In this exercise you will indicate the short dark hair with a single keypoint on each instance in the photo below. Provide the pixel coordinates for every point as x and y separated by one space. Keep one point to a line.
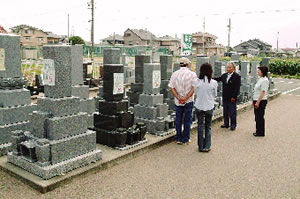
206 70
264 70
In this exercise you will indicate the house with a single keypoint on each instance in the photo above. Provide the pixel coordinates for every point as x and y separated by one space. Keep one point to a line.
169 42
139 37
32 39
114 39
2 30
253 47
205 44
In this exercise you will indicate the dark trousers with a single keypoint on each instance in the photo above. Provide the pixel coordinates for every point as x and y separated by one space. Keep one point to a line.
260 117
229 112
183 113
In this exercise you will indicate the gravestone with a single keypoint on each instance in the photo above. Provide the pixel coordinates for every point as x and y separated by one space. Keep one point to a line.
245 90
217 72
176 66
235 59
113 123
212 60
151 110
200 60
15 101
137 88
80 90
166 73
58 139
265 61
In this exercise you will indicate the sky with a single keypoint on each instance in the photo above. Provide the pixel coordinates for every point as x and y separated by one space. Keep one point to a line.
263 19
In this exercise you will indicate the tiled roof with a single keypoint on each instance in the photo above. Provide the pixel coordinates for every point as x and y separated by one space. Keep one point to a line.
114 37
2 30
205 34
167 38
143 34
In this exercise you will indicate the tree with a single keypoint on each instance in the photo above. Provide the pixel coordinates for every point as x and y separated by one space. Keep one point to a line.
76 40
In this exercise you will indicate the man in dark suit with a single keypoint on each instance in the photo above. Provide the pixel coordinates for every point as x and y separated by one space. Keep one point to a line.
231 82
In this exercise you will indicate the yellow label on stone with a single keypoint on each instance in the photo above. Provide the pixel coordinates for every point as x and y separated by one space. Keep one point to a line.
2 59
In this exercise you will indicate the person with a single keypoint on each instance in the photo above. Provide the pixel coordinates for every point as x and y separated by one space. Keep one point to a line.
260 95
205 93
231 82
181 85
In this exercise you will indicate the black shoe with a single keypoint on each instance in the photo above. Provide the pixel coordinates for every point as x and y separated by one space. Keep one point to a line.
232 128
205 150
257 135
223 126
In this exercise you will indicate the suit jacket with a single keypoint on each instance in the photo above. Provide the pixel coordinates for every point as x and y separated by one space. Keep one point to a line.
231 89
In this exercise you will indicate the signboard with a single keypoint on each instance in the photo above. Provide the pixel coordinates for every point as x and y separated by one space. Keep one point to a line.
2 59
156 78
118 83
186 44
49 72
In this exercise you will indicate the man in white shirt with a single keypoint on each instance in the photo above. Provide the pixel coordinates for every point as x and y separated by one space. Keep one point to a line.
181 85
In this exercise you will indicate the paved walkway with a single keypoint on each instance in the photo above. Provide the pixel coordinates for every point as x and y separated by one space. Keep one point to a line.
239 166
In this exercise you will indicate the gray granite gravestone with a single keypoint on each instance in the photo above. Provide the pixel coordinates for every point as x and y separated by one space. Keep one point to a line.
265 61
58 139
151 110
245 90
137 88
113 123
15 102
78 88
166 73
200 60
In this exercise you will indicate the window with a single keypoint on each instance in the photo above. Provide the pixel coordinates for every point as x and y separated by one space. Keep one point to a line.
127 35
27 38
26 31
194 40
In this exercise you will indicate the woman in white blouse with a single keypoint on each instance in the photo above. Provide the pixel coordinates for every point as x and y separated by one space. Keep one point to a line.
205 89
260 96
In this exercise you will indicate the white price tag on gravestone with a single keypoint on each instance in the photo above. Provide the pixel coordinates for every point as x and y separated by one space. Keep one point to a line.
118 83
223 70
156 79
2 59
48 72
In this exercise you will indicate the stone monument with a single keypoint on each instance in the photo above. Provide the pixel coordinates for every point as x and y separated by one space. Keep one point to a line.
137 88
113 123
58 139
200 60
151 110
246 88
15 101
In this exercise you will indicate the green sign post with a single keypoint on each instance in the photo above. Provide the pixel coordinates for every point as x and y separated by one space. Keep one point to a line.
186 44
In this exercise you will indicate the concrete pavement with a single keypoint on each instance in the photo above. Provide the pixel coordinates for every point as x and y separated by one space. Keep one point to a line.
239 165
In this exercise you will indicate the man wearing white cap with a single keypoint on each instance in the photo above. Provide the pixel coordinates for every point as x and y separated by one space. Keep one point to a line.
181 85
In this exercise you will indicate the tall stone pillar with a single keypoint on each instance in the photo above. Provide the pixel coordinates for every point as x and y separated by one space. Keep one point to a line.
15 101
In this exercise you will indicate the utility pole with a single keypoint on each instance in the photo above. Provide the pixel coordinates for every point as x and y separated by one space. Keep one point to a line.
277 42
203 35
229 30
68 27
92 29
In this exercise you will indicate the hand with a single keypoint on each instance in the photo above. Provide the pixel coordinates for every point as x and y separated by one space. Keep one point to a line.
256 106
233 99
182 100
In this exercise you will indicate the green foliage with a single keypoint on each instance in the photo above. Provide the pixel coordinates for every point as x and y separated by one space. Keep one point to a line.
225 59
76 40
285 67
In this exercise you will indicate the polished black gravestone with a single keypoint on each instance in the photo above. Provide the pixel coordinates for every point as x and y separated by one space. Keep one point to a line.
113 123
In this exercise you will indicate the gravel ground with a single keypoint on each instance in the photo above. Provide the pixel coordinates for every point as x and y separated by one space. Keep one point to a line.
239 166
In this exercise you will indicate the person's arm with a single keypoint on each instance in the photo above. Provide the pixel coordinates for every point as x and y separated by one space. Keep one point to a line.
264 89
236 90
218 79
190 94
175 93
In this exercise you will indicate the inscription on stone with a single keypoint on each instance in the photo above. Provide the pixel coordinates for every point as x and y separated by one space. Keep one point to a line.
2 59
49 72
156 79
118 83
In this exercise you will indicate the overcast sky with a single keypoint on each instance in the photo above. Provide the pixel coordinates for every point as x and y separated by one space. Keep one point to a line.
250 19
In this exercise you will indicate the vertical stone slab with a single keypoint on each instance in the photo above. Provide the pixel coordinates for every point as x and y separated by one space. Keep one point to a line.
111 56
62 56
140 60
166 66
200 60
77 65
265 61
10 48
